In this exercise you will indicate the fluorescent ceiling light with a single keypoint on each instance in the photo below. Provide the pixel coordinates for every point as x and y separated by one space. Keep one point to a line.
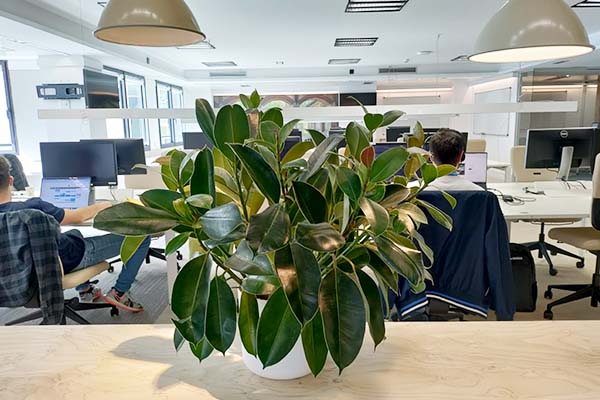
415 90
344 61
557 87
153 23
219 64
532 30
366 6
355 42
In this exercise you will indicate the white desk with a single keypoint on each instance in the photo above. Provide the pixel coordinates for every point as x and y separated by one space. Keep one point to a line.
418 361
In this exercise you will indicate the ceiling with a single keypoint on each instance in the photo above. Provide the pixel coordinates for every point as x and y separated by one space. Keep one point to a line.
284 39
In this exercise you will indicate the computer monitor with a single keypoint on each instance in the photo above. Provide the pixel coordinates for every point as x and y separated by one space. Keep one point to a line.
67 193
196 140
130 152
80 159
474 168
545 147
394 133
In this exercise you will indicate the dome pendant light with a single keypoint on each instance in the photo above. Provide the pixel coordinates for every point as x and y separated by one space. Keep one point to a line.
153 23
532 30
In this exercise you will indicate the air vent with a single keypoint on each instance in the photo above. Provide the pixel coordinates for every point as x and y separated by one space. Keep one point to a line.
206 45
398 70
588 4
220 64
344 61
371 6
463 57
355 42
227 74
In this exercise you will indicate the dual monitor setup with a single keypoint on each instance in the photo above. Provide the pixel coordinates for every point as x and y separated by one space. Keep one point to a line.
71 170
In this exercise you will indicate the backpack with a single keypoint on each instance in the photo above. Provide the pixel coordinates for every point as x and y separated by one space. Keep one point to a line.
523 267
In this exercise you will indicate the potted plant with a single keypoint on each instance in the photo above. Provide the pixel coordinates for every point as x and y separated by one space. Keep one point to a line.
317 238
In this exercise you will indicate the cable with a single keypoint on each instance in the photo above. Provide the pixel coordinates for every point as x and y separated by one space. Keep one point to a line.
512 200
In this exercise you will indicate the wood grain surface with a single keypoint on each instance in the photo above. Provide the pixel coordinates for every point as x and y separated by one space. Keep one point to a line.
487 360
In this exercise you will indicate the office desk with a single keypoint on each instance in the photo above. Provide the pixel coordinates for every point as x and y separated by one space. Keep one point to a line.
450 361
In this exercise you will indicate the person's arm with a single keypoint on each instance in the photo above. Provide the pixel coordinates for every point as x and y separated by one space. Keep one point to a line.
81 215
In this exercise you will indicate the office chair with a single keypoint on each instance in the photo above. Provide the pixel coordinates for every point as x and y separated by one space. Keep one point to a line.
476 146
544 249
586 239
72 306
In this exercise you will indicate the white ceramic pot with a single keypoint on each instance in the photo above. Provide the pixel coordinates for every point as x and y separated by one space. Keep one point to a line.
293 366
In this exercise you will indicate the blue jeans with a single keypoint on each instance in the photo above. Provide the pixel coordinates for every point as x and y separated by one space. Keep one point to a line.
102 248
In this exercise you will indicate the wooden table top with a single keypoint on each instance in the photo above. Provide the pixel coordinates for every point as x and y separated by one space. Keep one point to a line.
473 360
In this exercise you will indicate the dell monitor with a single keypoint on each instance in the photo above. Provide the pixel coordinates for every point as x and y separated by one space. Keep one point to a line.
80 159
196 140
394 133
130 152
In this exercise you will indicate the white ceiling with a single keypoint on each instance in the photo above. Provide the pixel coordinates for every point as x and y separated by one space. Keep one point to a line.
258 33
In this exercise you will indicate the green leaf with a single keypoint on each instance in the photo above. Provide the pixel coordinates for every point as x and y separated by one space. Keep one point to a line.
221 221
414 212
190 297
278 330
319 237
261 172
350 183
311 202
450 199
388 164
128 219
391 116
444 170
269 230
320 156
175 164
358 103
206 118
300 278
411 167
246 262
297 151
178 340
375 314
419 135
343 311
176 243
401 259
357 138
394 195
377 265
220 315
246 101
316 136
231 127
261 285
286 130
373 121
203 180
256 99
314 344
202 350
129 246
269 131
429 173
248 322
202 201
274 115
442 218
377 216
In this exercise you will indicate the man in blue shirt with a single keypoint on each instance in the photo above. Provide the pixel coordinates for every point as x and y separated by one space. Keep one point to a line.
77 252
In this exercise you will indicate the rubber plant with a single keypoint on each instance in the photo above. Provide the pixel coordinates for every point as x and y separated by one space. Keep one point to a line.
318 234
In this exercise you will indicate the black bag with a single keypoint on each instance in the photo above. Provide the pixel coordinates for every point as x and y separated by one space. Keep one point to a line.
523 267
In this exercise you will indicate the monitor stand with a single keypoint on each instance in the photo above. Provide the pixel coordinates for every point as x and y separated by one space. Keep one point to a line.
566 162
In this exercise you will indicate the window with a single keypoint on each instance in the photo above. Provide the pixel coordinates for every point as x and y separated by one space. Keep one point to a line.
132 93
171 131
8 142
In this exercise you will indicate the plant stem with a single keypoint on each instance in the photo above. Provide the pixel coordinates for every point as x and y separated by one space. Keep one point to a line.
217 260
241 191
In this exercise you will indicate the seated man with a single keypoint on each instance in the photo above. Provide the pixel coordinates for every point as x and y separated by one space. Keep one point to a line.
448 147
77 252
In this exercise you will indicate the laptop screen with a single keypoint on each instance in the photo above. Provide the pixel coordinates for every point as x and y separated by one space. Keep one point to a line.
475 167
67 193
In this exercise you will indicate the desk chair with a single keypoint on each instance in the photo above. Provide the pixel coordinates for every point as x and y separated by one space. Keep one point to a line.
476 146
72 306
586 239
544 249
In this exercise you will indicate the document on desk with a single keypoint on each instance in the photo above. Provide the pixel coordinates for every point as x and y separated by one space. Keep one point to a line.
564 189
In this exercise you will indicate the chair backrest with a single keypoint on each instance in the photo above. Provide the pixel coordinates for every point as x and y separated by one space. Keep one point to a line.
152 180
596 195
522 174
476 146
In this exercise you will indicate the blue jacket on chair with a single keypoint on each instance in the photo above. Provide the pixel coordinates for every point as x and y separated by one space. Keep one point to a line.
472 268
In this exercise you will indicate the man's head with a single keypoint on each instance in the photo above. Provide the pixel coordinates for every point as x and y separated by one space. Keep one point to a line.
447 147
6 180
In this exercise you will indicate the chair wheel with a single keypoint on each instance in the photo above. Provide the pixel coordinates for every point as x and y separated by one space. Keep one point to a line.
580 264
114 312
111 269
553 272
553 253
548 294
179 257
549 315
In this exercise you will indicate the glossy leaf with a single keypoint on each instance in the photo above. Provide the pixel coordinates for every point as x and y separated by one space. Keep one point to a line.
261 285
390 117
203 180
221 221
377 265
220 315
314 344
373 121
190 297
286 130
412 166
450 199
237 234
357 138
176 160
261 172
297 151
246 262
344 320
160 199
129 246
255 99
350 183
319 237
376 215
437 214
246 102
394 195
375 314
419 134
178 340
321 155
202 201
202 350
316 136
176 243
367 157
388 164
186 169
400 259
445 169
278 330
206 118
130 219
248 322
269 131
300 278
275 115
413 212
429 173
231 127
311 202
269 230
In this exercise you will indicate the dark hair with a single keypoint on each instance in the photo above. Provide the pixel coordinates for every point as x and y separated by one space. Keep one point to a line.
4 173
446 147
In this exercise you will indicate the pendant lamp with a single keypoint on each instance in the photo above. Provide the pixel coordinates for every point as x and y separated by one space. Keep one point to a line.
153 23
532 30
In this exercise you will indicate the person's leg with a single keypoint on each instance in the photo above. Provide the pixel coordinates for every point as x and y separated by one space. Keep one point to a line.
131 269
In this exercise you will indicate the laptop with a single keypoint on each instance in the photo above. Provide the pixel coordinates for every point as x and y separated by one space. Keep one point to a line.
67 193
474 168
